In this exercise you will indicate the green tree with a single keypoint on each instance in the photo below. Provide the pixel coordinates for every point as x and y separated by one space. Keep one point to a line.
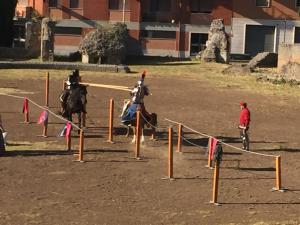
106 44
7 11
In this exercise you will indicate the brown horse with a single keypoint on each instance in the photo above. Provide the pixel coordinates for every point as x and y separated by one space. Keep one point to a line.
150 120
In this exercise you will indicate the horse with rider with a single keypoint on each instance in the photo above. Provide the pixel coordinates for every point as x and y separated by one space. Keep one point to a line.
73 98
128 116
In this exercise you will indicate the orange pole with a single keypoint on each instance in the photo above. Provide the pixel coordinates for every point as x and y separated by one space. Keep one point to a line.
69 143
179 146
83 119
138 133
111 120
45 128
47 89
170 169
216 184
26 116
81 145
278 173
209 152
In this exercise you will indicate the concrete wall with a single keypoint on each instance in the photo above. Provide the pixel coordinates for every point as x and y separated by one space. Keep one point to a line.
284 32
288 54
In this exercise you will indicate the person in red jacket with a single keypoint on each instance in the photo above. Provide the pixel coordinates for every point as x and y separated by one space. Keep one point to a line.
244 125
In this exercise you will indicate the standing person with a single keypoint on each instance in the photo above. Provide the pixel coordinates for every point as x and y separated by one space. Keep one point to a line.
244 125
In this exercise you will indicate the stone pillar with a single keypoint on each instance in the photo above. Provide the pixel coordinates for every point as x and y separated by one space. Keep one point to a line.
217 45
47 40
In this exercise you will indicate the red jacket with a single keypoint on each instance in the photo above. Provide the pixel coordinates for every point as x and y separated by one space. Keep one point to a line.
245 117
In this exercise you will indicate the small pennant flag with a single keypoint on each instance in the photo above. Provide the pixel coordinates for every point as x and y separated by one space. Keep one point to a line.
25 106
43 117
65 132
62 132
213 146
68 129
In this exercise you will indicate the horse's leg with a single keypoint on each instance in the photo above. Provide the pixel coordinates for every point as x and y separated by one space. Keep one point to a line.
128 131
143 137
134 135
79 121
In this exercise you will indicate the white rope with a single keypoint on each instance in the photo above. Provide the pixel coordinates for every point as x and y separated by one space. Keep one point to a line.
205 135
150 123
186 140
42 107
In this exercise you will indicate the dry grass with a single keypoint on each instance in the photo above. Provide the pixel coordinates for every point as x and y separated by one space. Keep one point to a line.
211 73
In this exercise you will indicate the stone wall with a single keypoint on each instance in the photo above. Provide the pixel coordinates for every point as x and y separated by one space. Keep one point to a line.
288 54
289 61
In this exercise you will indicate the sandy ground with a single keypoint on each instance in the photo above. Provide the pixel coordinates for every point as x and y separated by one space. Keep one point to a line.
41 184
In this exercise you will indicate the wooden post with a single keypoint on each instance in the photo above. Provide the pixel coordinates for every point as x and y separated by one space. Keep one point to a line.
81 146
69 143
278 173
26 110
47 89
26 117
209 152
45 128
83 119
216 184
111 121
179 146
138 133
170 168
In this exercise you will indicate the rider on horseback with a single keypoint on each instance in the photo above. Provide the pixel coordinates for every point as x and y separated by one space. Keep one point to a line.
72 83
137 93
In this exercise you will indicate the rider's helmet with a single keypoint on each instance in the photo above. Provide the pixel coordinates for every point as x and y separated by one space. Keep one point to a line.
73 78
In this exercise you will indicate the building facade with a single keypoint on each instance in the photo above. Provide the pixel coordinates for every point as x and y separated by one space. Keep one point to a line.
177 28
262 25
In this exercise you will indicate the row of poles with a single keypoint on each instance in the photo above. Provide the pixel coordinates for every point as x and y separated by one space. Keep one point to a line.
138 142
214 200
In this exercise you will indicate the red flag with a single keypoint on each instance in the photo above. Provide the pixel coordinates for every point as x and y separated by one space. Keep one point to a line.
68 130
212 147
43 117
25 106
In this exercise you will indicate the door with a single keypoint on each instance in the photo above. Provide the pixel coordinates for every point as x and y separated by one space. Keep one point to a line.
259 39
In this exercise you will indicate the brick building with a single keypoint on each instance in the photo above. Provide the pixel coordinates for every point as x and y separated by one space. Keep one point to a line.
176 28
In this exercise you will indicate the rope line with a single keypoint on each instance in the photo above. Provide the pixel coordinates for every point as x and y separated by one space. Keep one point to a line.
186 140
166 128
234 147
42 107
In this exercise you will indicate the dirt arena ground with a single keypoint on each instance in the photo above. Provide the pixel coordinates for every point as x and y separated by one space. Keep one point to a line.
41 184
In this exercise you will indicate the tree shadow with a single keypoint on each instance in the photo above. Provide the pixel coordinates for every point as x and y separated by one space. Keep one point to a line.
268 169
292 150
227 139
30 153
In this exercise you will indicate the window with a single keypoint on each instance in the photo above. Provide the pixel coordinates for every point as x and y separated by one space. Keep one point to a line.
74 4
159 34
297 35
52 3
201 6
262 3
160 5
118 4
297 3
198 42
68 30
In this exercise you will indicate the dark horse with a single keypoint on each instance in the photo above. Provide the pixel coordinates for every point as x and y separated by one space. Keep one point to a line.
129 119
73 100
